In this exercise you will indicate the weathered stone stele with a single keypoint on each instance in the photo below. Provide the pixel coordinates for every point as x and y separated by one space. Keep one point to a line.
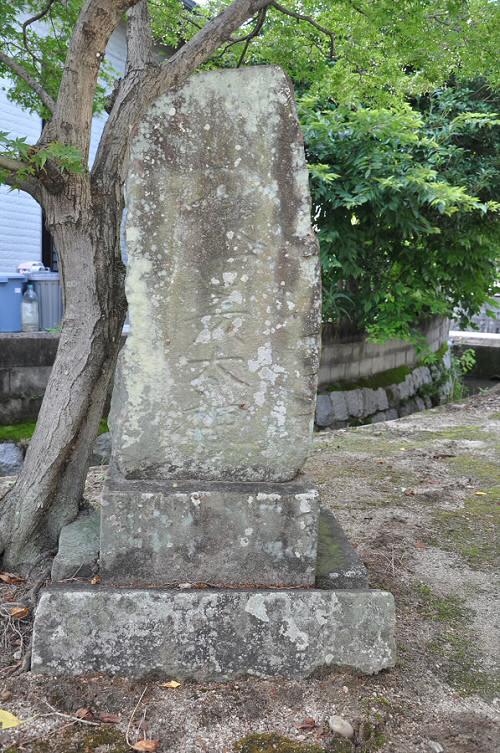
218 377
204 525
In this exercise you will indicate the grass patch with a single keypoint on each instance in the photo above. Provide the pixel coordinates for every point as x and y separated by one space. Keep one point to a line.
17 432
20 432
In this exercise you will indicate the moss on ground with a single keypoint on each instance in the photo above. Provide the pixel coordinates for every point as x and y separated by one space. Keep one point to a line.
449 609
369 739
472 531
270 742
76 740
365 442
460 664
454 645
480 468
468 432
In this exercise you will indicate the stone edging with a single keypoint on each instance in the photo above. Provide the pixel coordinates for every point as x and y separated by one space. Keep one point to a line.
424 387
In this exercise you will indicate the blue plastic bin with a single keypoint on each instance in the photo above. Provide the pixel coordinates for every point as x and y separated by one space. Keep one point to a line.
11 296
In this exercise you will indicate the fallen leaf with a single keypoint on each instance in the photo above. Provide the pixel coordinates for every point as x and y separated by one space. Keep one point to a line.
146 746
481 494
95 580
308 723
108 718
8 720
11 578
170 684
83 713
19 613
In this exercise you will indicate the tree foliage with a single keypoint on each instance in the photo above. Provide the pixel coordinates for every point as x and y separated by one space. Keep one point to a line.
365 52
357 52
404 202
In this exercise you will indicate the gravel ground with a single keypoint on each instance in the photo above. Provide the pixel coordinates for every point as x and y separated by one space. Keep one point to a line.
418 497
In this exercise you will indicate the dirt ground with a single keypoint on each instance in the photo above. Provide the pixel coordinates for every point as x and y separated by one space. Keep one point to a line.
419 498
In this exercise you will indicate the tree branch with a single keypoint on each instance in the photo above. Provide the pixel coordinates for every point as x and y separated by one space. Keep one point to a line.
139 37
261 18
202 46
21 71
309 20
29 185
73 115
12 165
32 20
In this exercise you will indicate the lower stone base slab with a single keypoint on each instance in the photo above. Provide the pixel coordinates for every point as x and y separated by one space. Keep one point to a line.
207 634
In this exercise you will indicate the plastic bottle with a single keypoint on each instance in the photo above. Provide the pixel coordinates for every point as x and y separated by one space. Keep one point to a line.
29 310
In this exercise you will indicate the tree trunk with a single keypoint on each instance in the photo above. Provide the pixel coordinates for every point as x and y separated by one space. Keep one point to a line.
50 486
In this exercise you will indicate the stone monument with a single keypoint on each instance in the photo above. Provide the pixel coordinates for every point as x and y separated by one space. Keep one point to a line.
209 533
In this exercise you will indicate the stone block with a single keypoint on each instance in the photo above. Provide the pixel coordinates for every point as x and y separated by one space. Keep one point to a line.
164 532
408 407
420 403
29 381
339 405
370 402
325 414
28 348
14 410
211 634
355 406
11 459
382 401
4 383
78 548
101 452
218 377
385 415
338 564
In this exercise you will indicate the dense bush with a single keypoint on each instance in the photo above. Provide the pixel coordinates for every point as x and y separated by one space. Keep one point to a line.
404 205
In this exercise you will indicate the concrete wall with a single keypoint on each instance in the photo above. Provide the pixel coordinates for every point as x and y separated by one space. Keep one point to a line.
350 361
26 360
25 364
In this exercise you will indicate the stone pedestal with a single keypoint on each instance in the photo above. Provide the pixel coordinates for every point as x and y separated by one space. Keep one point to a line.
211 634
220 533
212 416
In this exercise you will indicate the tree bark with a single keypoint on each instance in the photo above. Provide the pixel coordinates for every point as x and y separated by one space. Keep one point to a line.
84 219
48 491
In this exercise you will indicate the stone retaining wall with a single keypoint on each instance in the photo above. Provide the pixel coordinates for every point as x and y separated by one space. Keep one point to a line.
26 360
350 361
348 369
422 388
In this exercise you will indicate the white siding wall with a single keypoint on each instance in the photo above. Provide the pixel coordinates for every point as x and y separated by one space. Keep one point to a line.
20 215
116 53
